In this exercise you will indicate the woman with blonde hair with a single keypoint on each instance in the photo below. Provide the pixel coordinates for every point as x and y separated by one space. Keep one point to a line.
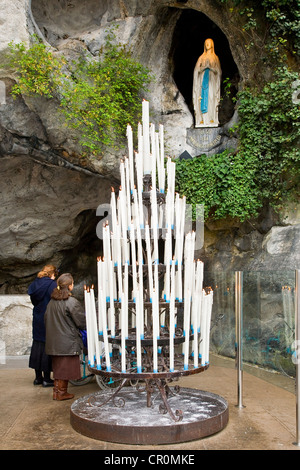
64 318
206 87
40 291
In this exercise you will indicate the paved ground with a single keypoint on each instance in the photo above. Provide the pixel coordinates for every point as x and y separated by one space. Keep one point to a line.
31 420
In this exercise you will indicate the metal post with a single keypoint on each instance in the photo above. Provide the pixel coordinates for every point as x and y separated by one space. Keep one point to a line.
297 350
238 333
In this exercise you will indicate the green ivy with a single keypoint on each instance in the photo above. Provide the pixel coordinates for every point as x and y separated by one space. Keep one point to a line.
281 19
224 184
266 165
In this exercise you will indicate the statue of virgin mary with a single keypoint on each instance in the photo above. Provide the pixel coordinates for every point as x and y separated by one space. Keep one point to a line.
206 87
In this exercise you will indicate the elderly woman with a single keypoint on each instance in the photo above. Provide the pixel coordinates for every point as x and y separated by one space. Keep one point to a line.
64 318
40 291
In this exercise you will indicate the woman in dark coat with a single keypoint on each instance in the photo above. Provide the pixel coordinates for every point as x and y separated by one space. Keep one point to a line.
40 291
64 318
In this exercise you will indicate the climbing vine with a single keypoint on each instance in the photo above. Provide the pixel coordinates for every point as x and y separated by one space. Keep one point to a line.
265 168
266 165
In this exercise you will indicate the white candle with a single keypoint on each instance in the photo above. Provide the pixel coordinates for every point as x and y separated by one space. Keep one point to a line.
146 138
155 322
111 297
130 156
140 312
119 261
102 306
194 320
100 282
199 287
94 327
90 337
139 190
110 278
172 317
171 192
126 298
186 329
149 261
168 261
209 310
123 333
203 328
133 262
122 172
162 158
140 138
153 157
128 198
138 336
154 224
123 225
113 209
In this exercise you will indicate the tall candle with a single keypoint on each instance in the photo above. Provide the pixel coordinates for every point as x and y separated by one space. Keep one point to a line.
194 329
138 336
209 310
122 172
154 224
172 318
123 333
199 287
139 191
162 159
203 328
186 331
128 199
109 270
113 208
153 157
125 299
94 327
133 262
155 335
146 138
100 281
119 261
102 306
111 297
123 226
130 156
149 260
140 281
90 338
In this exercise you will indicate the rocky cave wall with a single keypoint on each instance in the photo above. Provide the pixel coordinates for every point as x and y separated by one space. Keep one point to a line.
49 193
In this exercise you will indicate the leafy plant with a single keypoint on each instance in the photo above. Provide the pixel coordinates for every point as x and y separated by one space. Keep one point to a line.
266 165
39 72
104 96
98 96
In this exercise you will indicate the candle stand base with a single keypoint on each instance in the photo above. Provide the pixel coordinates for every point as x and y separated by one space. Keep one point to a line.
130 422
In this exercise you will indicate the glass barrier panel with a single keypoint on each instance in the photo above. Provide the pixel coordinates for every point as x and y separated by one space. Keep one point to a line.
268 306
269 321
222 337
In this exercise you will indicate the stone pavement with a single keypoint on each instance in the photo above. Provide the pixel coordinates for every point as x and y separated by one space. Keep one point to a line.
31 420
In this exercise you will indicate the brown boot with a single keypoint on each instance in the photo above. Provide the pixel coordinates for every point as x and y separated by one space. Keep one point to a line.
62 393
55 388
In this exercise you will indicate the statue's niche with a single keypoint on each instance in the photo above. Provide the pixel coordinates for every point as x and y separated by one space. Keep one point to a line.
192 30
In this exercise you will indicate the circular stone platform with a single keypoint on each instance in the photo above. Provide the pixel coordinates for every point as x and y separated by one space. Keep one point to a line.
132 422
